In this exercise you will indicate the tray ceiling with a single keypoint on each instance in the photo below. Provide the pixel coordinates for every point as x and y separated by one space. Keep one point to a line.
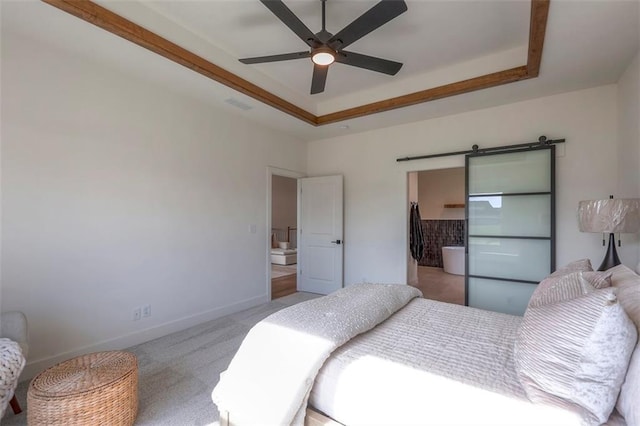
447 47
191 17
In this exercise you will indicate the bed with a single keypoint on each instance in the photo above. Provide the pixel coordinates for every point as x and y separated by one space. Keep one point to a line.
383 355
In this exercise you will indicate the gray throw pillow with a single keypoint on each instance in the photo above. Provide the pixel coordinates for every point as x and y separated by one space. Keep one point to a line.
627 284
576 350
583 265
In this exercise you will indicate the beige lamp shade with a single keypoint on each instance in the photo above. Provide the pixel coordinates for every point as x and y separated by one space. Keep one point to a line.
615 215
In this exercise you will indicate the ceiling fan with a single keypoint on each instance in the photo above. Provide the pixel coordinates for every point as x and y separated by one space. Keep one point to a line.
327 48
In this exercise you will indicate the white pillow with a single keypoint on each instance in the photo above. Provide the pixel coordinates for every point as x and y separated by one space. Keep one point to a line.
563 287
628 403
627 284
576 350
583 265
598 279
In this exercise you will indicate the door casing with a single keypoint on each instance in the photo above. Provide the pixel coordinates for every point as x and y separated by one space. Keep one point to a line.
278 172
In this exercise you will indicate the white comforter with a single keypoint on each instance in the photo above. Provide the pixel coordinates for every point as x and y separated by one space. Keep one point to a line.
271 375
432 363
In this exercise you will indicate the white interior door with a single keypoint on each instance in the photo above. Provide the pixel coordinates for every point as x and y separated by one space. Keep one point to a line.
320 234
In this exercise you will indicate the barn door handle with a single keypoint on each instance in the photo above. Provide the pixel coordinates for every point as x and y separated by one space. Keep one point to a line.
337 242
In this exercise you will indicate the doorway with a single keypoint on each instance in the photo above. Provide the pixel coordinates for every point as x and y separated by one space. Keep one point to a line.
440 197
507 217
283 254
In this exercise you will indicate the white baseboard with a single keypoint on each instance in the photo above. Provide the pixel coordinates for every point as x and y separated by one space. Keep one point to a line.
34 367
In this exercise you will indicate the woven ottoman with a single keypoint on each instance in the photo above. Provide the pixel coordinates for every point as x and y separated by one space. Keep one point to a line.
94 389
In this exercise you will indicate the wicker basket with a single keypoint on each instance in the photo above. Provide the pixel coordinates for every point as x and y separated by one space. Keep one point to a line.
94 389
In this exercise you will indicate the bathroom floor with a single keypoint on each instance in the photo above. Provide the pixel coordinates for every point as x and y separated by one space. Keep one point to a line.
438 285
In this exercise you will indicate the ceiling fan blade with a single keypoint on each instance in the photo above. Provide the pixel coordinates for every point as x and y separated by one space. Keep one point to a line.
275 58
368 62
278 8
372 19
319 78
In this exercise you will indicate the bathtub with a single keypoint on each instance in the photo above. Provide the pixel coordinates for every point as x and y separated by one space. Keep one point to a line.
453 260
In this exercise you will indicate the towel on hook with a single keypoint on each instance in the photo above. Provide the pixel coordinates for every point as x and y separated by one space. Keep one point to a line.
416 239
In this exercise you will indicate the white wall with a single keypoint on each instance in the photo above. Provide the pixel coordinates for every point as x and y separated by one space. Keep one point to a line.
375 184
117 193
440 187
629 145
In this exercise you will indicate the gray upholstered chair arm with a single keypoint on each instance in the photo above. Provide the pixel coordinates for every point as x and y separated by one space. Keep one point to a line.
13 325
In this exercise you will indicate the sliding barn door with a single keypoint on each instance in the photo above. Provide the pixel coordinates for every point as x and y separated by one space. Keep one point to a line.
510 227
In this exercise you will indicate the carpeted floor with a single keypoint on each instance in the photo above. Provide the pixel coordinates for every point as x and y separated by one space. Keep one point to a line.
178 372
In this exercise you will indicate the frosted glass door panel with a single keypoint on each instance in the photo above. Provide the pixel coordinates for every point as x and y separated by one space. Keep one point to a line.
509 258
517 215
507 297
510 226
525 171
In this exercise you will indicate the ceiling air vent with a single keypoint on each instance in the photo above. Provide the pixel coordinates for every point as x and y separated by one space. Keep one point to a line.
238 104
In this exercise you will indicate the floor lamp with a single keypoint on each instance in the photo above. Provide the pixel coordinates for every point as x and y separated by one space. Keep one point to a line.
612 216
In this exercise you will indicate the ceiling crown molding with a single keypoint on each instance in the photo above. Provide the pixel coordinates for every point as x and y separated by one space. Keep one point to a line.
116 24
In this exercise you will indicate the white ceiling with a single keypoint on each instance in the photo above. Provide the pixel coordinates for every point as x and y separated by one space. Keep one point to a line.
588 43
422 38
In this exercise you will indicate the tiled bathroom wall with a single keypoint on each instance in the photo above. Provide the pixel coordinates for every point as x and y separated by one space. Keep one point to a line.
438 234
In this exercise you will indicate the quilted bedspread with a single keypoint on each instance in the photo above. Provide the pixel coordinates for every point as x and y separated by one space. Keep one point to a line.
432 363
271 375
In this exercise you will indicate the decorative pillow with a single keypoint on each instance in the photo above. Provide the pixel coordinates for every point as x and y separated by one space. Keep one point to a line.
583 265
569 286
576 350
629 400
557 289
598 279
627 284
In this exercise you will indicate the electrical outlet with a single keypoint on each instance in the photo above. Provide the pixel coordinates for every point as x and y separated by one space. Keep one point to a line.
146 311
137 314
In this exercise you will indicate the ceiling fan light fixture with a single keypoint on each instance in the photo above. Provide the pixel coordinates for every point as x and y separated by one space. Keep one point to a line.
323 56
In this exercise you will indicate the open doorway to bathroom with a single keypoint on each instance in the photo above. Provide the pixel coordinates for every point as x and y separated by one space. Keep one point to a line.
439 271
283 247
